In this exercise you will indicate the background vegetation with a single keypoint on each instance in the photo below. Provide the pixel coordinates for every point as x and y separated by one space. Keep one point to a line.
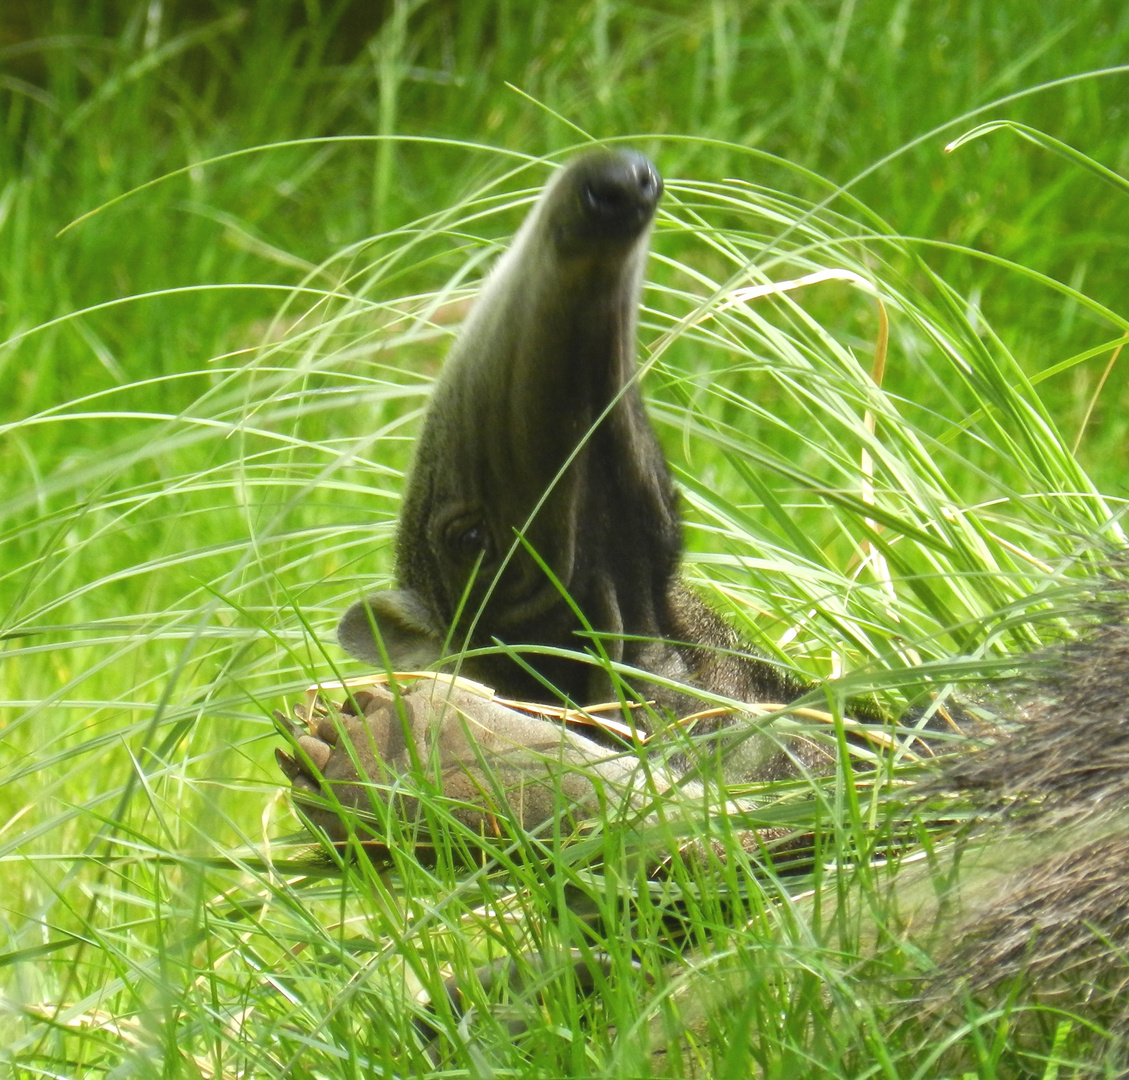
209 391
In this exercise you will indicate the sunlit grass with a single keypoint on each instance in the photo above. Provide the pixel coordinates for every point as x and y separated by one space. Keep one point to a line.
201 475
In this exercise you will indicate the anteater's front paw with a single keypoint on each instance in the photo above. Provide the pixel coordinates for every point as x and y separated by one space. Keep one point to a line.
383 758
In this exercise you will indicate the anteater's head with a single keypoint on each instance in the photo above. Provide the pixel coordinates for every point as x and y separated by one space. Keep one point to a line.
538 489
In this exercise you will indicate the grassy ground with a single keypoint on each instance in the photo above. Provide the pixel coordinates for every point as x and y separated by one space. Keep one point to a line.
210 389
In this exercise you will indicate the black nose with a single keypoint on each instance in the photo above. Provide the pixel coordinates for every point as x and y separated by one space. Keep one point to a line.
619 193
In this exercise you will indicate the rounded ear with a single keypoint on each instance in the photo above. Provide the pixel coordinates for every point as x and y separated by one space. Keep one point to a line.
396 619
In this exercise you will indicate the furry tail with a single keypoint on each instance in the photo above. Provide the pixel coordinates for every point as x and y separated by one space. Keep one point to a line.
1043 906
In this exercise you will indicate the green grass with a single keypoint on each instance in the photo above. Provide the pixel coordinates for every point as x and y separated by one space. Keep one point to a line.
211 387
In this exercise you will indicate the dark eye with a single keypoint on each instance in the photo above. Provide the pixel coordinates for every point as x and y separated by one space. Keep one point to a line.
467 540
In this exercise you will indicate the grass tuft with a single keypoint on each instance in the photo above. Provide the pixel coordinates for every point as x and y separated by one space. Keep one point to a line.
234 247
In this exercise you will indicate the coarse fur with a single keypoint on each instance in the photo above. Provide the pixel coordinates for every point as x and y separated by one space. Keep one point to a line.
1056 792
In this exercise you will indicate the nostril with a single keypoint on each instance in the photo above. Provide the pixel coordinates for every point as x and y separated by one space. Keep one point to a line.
607 197
613 198
627 194
647 182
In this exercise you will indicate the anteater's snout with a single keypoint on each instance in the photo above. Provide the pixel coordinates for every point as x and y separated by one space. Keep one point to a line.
619 194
